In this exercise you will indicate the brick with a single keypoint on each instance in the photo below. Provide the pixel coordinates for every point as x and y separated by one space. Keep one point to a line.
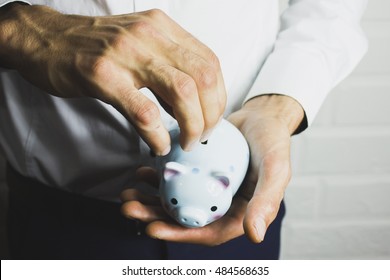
325 218
357 197
361 101
283 4
342 150
358 100
324 116
298 151
377 10
330 240
377 58
302 198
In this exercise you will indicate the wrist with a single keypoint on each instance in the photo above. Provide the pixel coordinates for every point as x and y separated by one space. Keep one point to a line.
277 108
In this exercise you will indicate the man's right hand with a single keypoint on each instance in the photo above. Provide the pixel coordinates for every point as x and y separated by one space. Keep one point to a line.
111 58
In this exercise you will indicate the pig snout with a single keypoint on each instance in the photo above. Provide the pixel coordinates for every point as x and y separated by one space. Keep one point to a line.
191 217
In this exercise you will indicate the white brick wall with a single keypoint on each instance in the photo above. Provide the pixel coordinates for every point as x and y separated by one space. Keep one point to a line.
337 202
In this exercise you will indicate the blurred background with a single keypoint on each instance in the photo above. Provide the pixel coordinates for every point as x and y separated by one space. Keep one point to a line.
338 200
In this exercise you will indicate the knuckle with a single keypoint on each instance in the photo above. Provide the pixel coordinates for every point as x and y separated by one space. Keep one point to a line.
142 27
146 114
207 77
100 67
213 60
156 14
120 40
126 209
185 87
270 208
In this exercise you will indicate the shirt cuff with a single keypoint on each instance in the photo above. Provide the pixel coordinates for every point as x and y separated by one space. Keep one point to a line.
295 73
3 3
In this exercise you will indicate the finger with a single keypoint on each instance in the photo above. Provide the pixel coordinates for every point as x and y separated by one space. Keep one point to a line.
263 207
179 91
136 195
207 74
209 83
145 117
148 175
198 61
146 213
113 85
218 232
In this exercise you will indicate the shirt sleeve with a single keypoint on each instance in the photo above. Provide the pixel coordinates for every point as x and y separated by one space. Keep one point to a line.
5 2
319 44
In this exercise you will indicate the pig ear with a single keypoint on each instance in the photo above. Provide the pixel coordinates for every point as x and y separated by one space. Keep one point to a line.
222 178
173 169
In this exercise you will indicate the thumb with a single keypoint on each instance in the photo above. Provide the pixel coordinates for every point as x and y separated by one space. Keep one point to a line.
274 175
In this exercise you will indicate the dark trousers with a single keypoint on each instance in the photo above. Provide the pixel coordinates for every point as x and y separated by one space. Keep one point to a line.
47 223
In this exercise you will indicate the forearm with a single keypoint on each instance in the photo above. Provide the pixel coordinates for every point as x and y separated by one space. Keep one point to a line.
10 34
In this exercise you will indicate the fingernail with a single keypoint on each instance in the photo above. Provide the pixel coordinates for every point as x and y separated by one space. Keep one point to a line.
205 137
166 151
260 228
207 134
192 145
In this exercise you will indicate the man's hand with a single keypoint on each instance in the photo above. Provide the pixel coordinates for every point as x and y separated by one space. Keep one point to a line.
267 123
111 58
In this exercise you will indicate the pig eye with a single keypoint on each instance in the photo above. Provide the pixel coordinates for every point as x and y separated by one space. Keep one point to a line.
214 208
174 201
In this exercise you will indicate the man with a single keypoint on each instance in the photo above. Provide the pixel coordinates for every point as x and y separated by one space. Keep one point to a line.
200 60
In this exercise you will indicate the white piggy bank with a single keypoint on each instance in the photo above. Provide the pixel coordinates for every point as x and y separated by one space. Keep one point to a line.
197 187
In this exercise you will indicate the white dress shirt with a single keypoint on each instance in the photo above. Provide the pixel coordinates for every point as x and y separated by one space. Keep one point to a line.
86 146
